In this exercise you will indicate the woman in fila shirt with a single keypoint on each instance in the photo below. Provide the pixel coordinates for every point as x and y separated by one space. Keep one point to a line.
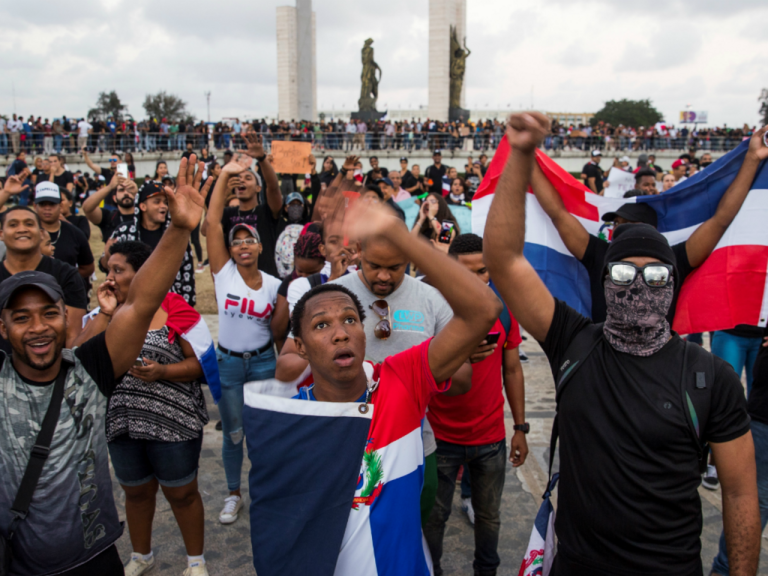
246 299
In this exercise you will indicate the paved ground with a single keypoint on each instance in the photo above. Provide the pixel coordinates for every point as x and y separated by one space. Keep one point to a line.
228 549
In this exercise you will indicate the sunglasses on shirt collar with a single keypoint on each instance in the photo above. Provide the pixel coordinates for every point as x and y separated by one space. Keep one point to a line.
383 328
655 274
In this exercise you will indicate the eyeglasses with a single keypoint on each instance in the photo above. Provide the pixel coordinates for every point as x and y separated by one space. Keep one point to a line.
383 329
655 275
246 241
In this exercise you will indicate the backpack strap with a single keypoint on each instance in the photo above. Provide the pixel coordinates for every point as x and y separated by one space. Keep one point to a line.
577 352
505 317
315 279
697 379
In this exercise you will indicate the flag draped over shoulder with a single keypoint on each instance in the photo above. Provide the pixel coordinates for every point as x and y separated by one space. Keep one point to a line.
728 289
305 465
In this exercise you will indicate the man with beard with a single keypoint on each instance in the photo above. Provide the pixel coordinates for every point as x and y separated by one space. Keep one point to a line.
267 219
109 220
629 457
150 220
72 508
22 234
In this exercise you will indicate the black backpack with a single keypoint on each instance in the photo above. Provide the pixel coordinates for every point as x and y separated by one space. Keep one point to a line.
697 377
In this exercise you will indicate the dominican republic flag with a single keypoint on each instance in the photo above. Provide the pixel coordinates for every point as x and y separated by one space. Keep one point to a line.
541 547
305 462
728 289
446 186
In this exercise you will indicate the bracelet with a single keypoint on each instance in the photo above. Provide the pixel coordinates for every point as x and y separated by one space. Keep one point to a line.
105 314
261 159
343 171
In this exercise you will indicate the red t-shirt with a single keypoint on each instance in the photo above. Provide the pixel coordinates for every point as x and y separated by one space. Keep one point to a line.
477 417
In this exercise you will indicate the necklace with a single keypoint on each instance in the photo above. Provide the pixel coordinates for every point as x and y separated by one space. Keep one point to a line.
58 235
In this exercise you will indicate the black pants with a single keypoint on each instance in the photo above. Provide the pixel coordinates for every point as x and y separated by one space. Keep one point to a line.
196 243
107 563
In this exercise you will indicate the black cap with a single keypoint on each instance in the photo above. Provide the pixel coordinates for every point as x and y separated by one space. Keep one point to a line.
634 212
631 240
41 280
437 153
148 190
403 159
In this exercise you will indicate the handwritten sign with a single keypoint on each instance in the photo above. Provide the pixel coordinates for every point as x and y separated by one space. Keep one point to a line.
621 182
291 157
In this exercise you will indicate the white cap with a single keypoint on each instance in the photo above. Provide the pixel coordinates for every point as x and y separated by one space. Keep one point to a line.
624 159
47 192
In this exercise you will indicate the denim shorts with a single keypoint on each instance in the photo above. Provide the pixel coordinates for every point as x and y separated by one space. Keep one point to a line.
136 462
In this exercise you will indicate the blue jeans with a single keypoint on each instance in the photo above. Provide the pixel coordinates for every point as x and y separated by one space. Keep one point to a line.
233 373
738 351
760 438
487 464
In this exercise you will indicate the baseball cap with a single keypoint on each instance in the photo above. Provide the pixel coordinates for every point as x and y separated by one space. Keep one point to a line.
294 196
437 153
388 182
403 159
624 159
596 153
678 163
251 230
47 192
148 190
634 212
41 280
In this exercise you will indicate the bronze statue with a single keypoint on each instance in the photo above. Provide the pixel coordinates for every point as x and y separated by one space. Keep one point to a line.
369 91
458 67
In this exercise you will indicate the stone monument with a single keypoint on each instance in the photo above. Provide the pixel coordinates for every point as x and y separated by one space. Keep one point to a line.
459 57
369 86
296 62
444 17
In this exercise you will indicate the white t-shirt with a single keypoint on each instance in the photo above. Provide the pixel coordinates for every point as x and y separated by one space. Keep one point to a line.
244 313
83 126
15 125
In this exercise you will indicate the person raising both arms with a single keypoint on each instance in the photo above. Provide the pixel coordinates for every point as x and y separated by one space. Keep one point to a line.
246 298
639 513
72 508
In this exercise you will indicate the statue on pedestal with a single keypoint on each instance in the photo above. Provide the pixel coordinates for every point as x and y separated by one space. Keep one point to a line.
458 66
369 90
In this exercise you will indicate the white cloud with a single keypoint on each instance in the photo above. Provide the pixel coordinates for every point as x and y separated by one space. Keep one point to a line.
573 54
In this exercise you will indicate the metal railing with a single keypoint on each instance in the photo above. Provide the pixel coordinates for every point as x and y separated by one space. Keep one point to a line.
39 143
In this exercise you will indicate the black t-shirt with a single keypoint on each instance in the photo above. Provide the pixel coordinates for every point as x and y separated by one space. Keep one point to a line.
436 175
63 179
594 262
110 220
40 176
151 237
757 405
71 246
283 288
369 177
268 227
592 170
628 502
81 223
408 180
94 356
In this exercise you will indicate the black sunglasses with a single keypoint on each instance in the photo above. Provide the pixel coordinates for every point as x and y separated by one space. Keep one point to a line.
655 274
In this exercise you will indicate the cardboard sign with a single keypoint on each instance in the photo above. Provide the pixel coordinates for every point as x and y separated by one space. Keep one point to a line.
621 182
291 157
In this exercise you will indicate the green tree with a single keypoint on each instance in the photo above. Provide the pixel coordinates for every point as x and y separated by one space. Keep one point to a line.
628 112
108 105
763 99
164 105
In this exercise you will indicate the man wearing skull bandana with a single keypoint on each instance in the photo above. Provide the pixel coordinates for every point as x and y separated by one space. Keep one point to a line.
628 502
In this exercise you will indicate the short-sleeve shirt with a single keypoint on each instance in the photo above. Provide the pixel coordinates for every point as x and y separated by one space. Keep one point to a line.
477 417
268 227
592 170
244 313
594 261
436 174
111 220
63 179
628 462
81 223
383 534
71 246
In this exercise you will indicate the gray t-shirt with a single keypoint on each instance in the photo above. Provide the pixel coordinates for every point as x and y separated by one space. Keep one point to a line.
417 313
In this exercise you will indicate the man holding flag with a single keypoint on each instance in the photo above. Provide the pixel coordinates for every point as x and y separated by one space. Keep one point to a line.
631 443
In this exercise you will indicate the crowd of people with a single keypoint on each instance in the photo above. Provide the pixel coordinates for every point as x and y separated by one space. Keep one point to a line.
320 285
104 134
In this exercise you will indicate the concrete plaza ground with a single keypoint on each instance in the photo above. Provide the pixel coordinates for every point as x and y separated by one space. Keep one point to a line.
228 548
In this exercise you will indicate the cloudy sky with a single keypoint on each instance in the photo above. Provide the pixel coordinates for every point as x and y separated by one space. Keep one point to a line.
560 55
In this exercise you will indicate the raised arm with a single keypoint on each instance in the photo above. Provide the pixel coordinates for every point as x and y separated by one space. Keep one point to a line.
475 307
128 329
91 204
13 185
256 151
701 243
572 233
91 165
526 295
218 255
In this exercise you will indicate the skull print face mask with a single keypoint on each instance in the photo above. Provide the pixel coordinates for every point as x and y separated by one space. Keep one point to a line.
636 321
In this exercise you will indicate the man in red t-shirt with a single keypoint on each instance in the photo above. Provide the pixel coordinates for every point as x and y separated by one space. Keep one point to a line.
470 430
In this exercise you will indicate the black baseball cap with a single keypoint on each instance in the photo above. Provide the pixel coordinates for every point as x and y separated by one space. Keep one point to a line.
403 159
148 190
634 212
437 153
41 280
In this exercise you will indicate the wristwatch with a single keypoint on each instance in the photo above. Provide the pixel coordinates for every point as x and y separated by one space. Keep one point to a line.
524 428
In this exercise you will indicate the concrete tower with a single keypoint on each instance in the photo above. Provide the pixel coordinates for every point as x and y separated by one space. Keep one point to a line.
442 15
296 70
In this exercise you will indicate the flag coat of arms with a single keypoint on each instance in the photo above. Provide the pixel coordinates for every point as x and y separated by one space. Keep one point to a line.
730 288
